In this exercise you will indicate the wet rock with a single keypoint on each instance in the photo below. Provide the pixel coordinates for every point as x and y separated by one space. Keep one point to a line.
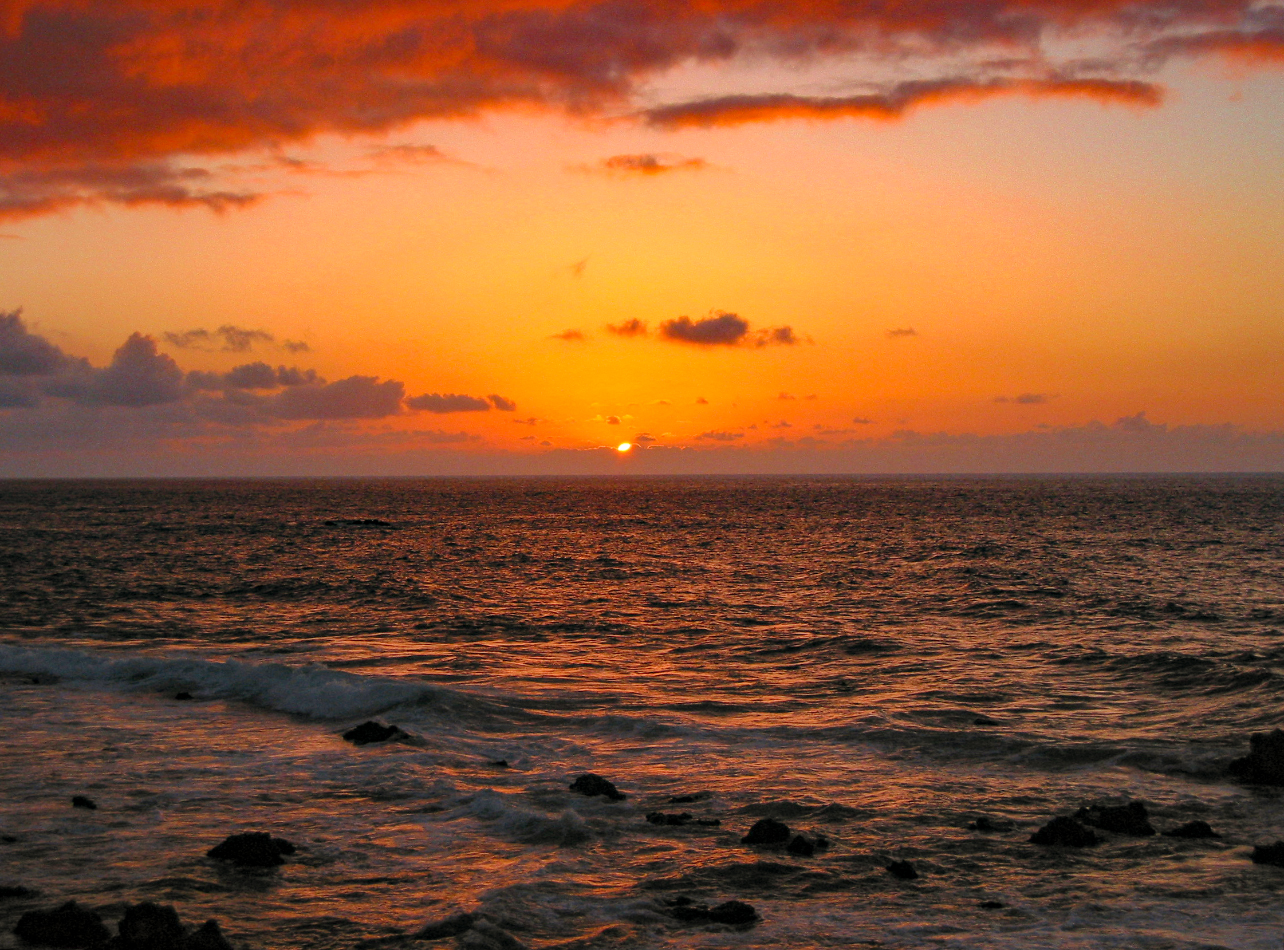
499 764
767 831
207 937
369 732
902 870
983 823
992 905
1264 764
594 785
451 926
1129 819
150 926
731 913
486 936
689 799
80 801
660 818
253 849
801 847
1269 854
1192 829
182 697
67 926
984 721
9 892
1064 832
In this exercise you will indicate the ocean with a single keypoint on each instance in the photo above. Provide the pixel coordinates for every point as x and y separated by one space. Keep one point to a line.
876 663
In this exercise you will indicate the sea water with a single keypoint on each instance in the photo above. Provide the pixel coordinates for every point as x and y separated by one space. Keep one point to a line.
877 662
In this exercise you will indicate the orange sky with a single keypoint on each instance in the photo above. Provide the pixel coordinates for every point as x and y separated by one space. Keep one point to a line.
944 237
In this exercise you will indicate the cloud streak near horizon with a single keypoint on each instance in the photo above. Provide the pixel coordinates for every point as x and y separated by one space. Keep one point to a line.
124 101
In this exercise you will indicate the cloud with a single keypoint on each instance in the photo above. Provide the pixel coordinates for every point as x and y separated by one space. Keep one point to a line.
28 192
1027 399
612 420
448 402
724 329
502 404
900 333
357 397
786 397
416 154
716 435
138 375
651 164
230 338
577 269
256 375
862 421
23 353
570 336
701 401
629 328
892 103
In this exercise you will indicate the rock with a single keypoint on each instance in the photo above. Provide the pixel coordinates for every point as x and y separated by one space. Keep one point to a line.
801 847
67 926
254 849
1264 764
992 905
1192 829
1064 832
767 831
593 785
207 937
150 926
183 696
1129 819
1269 854
983 823
8 891
732 913
483 935
688 799
984 721
369 732
500 763
902 870
451 926
80 801
660 818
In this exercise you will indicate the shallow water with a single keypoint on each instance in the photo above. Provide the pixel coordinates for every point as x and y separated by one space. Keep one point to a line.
814 650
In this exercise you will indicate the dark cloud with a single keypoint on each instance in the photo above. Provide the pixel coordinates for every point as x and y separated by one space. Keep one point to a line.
18 393
138 375
1027 399
701 401
228 337
448 402
613 420
634 327
717 435
862 421
295 346
27 192
570 336
357 397
417 154
23 353
717 329
651 164
502 404
786 397
257 375
643 439
898 333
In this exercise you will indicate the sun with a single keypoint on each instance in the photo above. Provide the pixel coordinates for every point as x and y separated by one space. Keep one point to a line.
624 447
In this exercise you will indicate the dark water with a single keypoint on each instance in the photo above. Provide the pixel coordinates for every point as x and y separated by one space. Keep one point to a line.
815 650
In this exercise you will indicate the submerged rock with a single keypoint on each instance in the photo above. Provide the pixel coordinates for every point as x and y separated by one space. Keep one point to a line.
992 905
150 926
1064 832
801 847
1129 819
594 785
1264 764
183 696
206 937
984 721
1192 829
1269 854
983 823
902 870
483 935
732 913
253 849
9 891
80 801
451 926
660 818
67 926
369 732
767 831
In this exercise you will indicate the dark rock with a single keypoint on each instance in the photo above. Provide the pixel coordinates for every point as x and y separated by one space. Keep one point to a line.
984 721
10 891
767 831
486 936
903 870
1192 829
254 849
992 905
709 822
9 839
150 926
1269 854
500 763
733 913
1064 832
1264 764
207 937
688 799
983 823
1129 819
65 926
80 801
183 696
451 926
801 847
369 732
592 785
660 818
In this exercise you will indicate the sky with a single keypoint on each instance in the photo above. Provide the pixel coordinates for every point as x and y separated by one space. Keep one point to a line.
416 237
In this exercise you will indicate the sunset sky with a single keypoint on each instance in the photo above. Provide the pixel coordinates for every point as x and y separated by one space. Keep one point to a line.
505 236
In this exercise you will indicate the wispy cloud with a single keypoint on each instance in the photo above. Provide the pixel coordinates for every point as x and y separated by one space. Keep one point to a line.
650 164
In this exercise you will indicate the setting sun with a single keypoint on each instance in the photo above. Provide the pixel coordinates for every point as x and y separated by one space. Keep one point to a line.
624 447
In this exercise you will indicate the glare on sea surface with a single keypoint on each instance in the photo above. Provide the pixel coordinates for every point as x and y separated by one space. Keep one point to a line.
624 447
